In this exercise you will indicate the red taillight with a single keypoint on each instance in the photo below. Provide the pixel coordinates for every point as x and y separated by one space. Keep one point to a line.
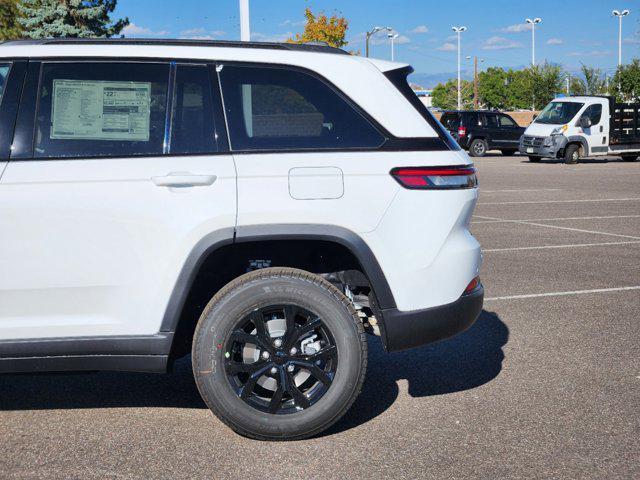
462 131
433 178
472 285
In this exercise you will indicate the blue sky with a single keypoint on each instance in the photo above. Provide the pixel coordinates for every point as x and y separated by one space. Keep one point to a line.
496 31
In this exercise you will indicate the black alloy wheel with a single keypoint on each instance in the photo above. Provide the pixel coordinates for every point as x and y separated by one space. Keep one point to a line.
281 359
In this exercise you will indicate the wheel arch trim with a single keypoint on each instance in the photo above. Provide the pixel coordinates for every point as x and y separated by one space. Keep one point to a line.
256 233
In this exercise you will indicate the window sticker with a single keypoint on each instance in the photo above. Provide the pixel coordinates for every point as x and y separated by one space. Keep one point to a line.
100 110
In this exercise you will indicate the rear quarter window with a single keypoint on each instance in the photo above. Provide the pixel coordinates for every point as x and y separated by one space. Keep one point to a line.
271 108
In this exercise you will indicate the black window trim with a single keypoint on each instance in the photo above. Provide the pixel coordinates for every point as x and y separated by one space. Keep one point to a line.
24 134
25 124
12 93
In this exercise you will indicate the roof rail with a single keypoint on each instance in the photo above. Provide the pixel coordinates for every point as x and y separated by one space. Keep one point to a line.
303 47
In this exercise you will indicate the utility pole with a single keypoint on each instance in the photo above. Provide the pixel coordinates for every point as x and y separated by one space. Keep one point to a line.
458 31
245 30
619 14
476 100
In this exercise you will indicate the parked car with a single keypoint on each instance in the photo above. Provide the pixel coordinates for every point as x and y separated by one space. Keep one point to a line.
250 204
571 128
481 131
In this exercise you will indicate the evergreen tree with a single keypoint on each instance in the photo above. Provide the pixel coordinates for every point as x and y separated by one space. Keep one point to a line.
9 14
69 18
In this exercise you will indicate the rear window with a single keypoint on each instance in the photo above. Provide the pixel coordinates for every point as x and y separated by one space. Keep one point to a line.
101 109
451 121
271 108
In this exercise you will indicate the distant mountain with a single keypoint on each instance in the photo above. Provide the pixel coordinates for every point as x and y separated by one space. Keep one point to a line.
430 80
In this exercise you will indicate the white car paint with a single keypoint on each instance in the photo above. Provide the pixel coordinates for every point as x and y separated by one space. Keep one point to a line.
96 246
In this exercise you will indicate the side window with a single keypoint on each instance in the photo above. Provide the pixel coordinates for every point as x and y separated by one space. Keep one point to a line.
594 112
489 121
192 127
280 109
4 74
94 109
506 121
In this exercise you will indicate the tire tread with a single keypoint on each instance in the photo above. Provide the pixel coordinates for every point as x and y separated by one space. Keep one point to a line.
294 273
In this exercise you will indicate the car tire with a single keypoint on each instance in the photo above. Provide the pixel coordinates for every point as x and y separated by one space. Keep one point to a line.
260 399
534 159
629 158
572 154
478 148
508 153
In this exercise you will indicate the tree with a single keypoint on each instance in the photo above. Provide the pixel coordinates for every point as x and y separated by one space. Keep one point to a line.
576 86
9 14
594 80
69 18
546 83
626 82
493 88
446 96
320 28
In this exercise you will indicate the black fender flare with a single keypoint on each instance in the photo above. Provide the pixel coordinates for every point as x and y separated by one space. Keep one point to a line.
221 238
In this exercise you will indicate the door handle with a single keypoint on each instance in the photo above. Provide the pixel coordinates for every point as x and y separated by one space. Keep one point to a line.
184 180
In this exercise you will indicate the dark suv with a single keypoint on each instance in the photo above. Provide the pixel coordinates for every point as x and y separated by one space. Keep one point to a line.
480 131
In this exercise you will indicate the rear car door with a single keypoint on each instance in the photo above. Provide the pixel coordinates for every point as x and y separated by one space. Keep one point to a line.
118 168
488 128
510 131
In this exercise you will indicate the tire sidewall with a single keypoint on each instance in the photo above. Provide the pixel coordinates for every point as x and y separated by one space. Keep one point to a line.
472 147
569 155
224 314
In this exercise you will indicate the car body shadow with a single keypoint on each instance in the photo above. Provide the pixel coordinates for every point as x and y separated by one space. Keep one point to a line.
466 361
463 362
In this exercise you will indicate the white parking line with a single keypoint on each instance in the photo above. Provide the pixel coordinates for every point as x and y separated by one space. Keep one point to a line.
555 218
558 227
632 199
562 294
518 190
546 247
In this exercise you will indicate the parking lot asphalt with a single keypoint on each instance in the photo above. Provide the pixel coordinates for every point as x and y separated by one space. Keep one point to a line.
546 384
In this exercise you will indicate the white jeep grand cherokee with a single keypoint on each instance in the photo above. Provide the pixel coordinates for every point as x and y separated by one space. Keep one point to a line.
260 206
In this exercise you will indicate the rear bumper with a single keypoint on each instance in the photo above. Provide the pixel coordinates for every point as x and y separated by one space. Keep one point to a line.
404 330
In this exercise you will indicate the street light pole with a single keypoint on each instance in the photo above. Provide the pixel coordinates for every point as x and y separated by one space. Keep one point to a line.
392 37
245 31
620 14
458 31
533 38
371 33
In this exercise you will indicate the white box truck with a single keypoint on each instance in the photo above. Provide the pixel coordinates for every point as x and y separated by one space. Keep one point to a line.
571 128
